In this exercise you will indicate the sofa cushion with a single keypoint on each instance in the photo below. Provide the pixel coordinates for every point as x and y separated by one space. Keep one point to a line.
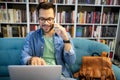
5 78
116 70
9 57
4 71
10 50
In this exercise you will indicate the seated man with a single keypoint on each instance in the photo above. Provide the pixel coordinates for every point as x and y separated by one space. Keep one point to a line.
49 45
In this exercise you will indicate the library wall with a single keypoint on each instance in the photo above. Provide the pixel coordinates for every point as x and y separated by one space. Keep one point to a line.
91 19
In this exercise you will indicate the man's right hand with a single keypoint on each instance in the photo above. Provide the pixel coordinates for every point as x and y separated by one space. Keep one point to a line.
37 61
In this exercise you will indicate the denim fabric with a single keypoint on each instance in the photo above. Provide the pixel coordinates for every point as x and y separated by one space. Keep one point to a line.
34 46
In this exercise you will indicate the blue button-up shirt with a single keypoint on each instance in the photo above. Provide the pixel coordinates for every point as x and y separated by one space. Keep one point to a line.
34 46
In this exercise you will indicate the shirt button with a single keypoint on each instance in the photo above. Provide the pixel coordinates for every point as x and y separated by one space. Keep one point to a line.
42 47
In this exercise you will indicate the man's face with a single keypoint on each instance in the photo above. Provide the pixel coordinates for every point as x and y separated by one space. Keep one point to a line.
46 19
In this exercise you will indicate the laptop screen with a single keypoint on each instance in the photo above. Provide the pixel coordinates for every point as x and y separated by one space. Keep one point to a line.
28 72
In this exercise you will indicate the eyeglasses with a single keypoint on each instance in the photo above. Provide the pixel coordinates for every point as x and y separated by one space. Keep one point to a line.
49 20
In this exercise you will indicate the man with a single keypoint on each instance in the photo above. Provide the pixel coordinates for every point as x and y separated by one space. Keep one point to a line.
50 44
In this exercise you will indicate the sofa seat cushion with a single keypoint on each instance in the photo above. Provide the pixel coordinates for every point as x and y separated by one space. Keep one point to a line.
8 57
4 71
5 78
10 50
116 70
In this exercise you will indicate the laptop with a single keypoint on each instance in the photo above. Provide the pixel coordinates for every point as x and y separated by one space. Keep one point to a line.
29 72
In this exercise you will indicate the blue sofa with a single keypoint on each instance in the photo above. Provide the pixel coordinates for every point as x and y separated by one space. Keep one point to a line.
10 50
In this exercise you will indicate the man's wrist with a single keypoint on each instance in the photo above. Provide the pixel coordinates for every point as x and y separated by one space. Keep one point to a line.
66 41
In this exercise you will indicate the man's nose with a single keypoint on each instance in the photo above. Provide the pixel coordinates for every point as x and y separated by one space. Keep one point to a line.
46 22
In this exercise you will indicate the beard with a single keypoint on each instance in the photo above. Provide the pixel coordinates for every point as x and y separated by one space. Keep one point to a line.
51 27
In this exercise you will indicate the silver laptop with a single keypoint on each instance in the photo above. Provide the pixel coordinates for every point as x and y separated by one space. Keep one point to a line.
28 72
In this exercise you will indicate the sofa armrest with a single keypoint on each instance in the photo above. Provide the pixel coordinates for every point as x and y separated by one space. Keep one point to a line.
84 47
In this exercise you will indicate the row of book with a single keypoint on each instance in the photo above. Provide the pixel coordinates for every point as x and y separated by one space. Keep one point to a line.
82 17
66 16
111 2
104 31
33 15
94 17
13 15
109 42
110 17
63 1
69 29
108 31
22 0
20 31
88 17
96 31
13 0
17 15
89 1
96 2
62 16
84 31
42 1
14 30
37 0
99 2
55 1
34 27
81 31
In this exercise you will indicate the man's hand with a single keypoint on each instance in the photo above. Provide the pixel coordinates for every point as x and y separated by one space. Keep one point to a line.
61 31
37 61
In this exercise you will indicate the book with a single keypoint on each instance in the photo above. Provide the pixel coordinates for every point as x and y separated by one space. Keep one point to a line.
79 31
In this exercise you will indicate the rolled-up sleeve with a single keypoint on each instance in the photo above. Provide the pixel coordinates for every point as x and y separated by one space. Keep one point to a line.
27 51
70 56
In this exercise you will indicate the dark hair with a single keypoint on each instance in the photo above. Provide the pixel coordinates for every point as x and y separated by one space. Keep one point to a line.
45 5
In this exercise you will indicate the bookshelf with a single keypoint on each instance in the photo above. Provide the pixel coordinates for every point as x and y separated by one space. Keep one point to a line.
97 20
13 20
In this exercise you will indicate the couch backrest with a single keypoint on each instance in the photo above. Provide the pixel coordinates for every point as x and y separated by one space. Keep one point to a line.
10 50
84 47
